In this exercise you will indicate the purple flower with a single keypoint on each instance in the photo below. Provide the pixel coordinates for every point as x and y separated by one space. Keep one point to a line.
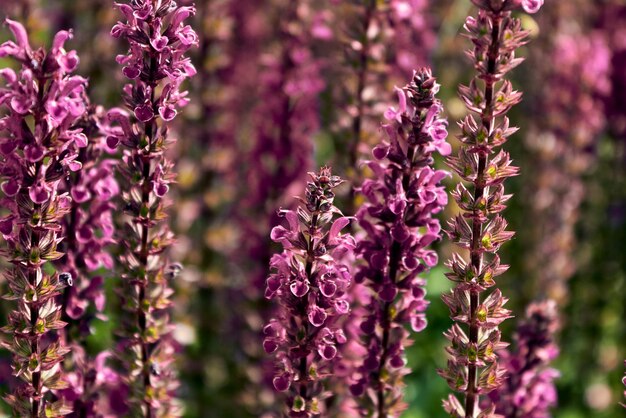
399 224
309 286
157 64
473 366
94 387
89 225
529 389
40 102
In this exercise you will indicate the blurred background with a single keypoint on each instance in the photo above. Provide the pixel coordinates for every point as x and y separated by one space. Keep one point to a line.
284 86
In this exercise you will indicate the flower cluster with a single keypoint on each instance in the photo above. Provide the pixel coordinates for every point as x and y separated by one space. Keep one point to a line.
157 65
310 287
277 154
398 219
89 225
94 388
529 390
89 231
42 105
473 367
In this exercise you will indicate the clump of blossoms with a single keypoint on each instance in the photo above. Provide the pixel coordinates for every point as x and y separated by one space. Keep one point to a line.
89 230
310 287
398 218
529 390
41 103
157 65
473 367
88 226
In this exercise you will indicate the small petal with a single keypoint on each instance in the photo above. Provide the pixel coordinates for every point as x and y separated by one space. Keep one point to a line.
327 352
281 383
10 187
317 316
39 194
144 113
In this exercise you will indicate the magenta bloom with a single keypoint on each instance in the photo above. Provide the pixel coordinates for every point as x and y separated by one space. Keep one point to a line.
40 102
532 6
398 219
309 286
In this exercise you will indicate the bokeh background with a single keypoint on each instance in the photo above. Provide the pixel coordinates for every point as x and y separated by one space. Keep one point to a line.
284 86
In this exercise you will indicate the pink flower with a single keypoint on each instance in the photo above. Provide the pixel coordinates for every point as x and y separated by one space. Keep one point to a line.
532 6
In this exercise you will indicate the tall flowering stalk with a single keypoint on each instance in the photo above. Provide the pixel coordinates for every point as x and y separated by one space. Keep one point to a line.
362 46
157 65
473 367
283 121
529 389
310 287
42 103
398 218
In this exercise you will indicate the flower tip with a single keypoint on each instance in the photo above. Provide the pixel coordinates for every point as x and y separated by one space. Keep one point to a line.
19 32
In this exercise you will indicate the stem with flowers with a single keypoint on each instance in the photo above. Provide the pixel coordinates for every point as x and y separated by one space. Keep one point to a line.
473 367
39 147
309 285
398 218
157 65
